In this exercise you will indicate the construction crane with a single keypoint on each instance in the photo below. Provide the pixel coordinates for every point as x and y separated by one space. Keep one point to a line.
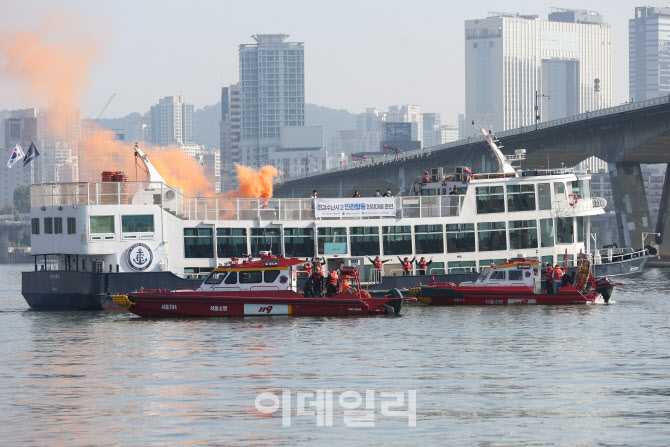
104 108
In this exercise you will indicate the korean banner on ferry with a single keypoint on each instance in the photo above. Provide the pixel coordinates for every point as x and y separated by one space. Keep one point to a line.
355 207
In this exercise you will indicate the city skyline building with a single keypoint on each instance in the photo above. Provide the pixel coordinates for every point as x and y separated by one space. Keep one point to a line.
230 129
407 114
514 62
172 122
272 87
649 53
20 128
431 125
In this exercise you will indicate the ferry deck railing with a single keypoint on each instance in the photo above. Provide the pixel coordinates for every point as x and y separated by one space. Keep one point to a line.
220 208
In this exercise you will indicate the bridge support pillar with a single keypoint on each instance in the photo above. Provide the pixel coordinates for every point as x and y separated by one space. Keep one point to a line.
4 246
630 202
663 224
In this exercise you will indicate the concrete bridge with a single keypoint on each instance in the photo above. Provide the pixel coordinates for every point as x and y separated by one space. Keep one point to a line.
6 228
624 136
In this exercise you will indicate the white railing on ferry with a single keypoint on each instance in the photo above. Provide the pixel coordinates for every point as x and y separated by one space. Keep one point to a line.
564 208
219 208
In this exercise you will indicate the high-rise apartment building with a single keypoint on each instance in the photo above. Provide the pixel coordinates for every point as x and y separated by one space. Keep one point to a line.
230 128
513 62
446 134
431 125
407 114
272 82
649 53
369 126
20 128
172 122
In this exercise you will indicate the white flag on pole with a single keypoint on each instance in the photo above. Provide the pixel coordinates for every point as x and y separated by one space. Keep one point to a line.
16 156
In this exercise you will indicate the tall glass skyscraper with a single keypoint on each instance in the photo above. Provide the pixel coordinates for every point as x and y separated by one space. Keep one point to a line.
272 81
649 53
514 61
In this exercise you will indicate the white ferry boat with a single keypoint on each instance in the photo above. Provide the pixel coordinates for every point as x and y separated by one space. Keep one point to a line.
95 240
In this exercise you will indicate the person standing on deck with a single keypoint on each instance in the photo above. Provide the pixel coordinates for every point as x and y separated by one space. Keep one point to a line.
558 277
406 265
423 265
378 267
548 277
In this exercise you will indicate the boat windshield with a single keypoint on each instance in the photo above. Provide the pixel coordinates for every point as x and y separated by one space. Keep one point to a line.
215 277
483 274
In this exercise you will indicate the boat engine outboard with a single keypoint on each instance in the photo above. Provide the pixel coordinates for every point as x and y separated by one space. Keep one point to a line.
604 287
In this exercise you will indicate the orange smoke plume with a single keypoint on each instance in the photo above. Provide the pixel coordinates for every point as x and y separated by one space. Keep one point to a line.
181 170
51 70
254 183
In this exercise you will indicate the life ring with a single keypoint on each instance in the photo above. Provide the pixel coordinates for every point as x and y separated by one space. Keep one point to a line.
469 173
572 201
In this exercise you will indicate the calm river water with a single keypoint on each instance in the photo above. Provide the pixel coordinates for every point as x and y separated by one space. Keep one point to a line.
567 375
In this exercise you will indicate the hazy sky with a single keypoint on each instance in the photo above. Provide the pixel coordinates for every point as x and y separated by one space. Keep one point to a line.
358 54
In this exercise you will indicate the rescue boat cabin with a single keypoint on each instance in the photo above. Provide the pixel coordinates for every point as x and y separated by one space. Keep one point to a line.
268 273
515 272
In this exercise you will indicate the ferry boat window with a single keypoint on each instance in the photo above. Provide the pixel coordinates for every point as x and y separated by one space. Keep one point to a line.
547 260
198 243
58 225
429 192
491 236
137 223
564 230
231 242
520 198
265 239
460 238
71 225
428 239
299 242
364 241
498 275
490 199
231 279
522 234
547 232
559 190
35 225
544 196
461 266
397 240
102 224
585 188
215 277
332 241
575 186
270 275
251 277
515 275
48 225
580 228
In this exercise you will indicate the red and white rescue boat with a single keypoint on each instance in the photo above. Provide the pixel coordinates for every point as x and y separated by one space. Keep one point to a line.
516 282
268 286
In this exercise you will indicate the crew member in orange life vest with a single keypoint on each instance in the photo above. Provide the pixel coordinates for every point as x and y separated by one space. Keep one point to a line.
422 265
548 278
558 276
331 288
377 263
318 276
308 269
406 265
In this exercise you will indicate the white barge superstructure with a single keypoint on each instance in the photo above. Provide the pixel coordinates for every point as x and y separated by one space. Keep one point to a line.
94 240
